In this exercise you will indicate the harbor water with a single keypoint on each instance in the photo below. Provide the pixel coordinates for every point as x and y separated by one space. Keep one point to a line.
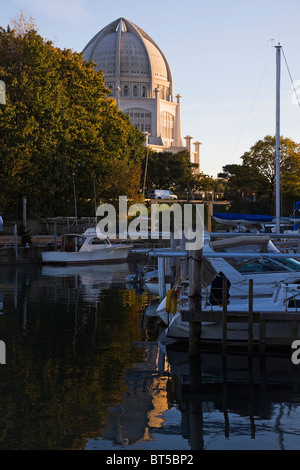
86 370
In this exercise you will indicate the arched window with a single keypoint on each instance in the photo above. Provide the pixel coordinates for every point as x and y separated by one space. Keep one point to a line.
167 125
135 90
143 91
140 118
125 90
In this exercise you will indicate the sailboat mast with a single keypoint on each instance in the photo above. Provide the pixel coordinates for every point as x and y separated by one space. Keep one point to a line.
278 57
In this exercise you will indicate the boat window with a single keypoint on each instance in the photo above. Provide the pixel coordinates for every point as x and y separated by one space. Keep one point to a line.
294 303
290 263
99 241
259 266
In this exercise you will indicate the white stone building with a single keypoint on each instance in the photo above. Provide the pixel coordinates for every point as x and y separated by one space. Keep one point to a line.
139 77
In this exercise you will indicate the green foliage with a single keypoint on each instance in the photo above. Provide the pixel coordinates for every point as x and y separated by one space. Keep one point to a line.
256 175
58 124
167 170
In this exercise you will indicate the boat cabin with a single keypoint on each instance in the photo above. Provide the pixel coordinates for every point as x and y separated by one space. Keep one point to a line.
74 242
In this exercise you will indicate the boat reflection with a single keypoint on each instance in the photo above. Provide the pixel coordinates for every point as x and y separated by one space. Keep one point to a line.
234 399
93 279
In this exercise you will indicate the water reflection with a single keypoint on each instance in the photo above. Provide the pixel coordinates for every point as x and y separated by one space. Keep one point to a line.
69 343
85 370
236 402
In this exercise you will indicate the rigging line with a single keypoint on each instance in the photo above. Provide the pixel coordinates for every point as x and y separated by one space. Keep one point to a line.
251 107
290 76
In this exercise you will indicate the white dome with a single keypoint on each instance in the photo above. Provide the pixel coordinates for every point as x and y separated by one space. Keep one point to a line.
125 52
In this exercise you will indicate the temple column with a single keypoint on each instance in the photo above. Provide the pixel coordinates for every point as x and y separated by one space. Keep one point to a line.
178 140
188 140
157 113
197 155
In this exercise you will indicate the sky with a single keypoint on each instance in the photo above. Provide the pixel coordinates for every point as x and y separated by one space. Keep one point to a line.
221 53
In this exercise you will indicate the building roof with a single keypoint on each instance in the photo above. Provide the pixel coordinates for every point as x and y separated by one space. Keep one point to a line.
124 50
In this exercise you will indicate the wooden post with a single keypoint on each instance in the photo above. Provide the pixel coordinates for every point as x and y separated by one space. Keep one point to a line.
55 236
195 294
250 317
24 212
262 336
16 240
224 315
183 261
195 409
225 395
210 206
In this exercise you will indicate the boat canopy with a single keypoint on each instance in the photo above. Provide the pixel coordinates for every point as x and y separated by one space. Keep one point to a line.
227 218
249 243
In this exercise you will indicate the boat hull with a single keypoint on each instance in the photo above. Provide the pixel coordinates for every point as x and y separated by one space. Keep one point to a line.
212 332
108 255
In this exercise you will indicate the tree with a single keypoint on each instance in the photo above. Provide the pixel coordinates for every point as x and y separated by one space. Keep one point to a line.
21 24
170 170
58 127
257 173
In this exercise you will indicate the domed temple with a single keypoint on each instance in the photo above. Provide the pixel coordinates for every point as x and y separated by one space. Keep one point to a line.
139 77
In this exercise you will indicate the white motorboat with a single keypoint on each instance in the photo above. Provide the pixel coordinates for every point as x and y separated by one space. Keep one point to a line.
151 285
87 248
148 277
286 298
265 272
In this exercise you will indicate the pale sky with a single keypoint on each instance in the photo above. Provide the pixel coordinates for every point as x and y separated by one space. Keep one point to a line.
221 54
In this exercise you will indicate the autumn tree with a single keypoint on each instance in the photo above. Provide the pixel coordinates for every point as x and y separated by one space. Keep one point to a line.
59 127
257 173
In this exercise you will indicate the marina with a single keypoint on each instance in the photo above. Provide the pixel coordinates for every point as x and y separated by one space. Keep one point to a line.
87 367
149 291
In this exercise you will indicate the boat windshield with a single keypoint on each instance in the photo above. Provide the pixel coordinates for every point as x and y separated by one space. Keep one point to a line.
99 241
266 265
291 263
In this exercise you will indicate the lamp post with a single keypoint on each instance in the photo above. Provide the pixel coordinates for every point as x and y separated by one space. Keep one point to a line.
146 134
75 202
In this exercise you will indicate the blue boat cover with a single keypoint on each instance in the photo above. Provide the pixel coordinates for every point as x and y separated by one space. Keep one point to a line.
247 217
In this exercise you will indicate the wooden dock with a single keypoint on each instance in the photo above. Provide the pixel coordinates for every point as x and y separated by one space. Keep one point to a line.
242 318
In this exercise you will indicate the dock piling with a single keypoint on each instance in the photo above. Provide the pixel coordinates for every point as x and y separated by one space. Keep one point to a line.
250 317
224 315
195 294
